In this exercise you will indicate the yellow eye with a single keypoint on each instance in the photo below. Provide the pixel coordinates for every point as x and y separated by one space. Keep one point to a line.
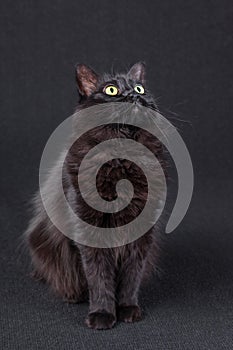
111 90
139 89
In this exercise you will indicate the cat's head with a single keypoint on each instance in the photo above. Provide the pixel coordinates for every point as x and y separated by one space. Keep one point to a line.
129 87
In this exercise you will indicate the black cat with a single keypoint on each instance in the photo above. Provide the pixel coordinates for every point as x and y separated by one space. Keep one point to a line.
109 277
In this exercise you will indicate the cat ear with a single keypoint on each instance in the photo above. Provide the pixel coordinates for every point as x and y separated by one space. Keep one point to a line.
137 72
87 79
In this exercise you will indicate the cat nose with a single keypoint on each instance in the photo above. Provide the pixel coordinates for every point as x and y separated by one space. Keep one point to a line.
133 97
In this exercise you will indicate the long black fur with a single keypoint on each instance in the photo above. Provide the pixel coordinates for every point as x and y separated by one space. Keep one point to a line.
109 277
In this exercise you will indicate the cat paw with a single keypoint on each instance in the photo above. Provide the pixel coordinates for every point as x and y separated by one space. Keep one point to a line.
129 313
100 320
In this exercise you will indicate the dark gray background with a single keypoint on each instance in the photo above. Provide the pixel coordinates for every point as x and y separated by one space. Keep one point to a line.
187 46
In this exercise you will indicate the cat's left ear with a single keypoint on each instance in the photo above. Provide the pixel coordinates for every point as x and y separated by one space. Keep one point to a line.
137 72
87 79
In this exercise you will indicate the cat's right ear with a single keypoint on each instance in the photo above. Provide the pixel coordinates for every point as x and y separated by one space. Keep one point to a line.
86 79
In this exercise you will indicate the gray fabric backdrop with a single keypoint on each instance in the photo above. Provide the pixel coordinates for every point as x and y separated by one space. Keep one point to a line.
187 46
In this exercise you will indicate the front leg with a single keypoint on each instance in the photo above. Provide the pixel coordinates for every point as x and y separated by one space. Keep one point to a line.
100 274
129 281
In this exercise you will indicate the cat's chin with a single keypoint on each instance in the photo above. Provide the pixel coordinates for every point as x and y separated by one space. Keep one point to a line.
136 107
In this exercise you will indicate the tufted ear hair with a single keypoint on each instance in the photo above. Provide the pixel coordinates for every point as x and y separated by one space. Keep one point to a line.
137 72
87 79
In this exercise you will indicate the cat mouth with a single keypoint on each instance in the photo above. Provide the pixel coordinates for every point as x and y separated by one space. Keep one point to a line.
136 106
